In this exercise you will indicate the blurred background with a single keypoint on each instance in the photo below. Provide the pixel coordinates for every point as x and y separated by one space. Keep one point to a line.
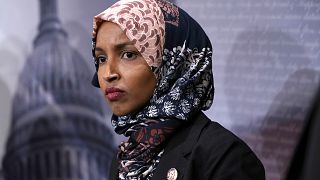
266 68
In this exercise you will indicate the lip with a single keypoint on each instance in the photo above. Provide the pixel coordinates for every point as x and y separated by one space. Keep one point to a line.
114 94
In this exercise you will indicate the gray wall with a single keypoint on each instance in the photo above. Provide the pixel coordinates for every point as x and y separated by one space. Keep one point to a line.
266 63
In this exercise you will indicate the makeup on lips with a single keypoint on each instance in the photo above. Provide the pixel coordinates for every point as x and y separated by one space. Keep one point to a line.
114 94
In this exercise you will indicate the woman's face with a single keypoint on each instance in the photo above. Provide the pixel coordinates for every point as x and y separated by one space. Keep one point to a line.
124 76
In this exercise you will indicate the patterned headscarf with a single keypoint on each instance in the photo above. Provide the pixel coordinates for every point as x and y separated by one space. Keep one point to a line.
180 54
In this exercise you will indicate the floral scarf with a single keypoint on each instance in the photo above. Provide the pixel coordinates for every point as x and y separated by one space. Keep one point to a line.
180 54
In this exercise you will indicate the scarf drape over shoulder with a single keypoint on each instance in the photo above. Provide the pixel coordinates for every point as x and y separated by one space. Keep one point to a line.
180 54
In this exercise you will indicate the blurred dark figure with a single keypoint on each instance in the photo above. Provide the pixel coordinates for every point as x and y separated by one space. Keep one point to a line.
1 176
269 90
306 161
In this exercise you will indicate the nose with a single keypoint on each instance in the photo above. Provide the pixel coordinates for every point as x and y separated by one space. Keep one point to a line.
112 77
111 72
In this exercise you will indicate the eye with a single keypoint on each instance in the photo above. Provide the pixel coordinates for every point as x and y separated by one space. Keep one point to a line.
129 55
101 59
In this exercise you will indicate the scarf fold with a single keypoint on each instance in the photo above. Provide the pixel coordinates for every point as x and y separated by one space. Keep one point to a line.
180 55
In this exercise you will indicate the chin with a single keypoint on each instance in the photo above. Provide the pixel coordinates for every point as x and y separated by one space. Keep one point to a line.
119 112
122 112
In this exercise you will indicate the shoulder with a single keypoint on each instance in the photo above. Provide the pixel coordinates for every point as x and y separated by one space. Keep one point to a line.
215 137
222 154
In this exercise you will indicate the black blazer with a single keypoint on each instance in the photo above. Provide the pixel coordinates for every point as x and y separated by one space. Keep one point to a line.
203 150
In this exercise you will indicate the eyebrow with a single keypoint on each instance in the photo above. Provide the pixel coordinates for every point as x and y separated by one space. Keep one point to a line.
124 44
117 46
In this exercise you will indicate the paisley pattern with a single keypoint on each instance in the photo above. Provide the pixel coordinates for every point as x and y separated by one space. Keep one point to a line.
171 12
184 87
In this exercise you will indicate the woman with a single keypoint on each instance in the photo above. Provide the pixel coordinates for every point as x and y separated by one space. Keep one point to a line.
154 66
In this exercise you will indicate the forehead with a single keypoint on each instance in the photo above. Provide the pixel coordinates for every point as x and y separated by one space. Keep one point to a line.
110 33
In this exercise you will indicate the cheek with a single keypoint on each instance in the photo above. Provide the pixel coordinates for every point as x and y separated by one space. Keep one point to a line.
140 89
99 73
142 83
102 82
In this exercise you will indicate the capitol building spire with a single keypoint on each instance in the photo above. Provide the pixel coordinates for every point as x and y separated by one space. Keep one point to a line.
50 25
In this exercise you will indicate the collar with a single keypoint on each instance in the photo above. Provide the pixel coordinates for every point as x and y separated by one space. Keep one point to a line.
180 146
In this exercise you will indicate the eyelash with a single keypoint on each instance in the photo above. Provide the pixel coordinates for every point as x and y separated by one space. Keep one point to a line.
99 59
102 59
129 52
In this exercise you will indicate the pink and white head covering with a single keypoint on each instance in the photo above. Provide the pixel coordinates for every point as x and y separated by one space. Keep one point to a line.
145 26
